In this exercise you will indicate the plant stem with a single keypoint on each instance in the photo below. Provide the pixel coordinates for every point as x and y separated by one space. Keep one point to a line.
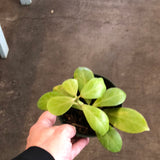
77 106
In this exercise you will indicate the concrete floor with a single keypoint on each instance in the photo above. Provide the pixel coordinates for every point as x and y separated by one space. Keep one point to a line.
119 39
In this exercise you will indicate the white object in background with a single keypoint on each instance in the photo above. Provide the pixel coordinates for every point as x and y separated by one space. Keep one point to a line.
3 45
26 2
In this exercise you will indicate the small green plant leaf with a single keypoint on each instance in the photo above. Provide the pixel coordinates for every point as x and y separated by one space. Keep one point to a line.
71 86
94 88
88 101
127 120
83 75
112 140
59 105
59 91
43 100
96 118
112 97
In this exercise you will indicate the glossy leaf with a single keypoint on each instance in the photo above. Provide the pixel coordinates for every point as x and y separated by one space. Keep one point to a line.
71 86
112 140
96 118
94 88
59 91
43 100
59 105
83 75
112 97
127 120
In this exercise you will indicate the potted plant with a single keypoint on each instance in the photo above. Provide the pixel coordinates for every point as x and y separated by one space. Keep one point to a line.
94 106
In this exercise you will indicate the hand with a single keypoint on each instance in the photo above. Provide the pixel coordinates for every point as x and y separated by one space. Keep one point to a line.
55 139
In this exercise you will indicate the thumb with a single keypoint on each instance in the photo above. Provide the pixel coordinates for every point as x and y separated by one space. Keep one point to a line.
78 146
47 119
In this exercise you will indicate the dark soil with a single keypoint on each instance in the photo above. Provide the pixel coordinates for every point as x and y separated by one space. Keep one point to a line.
76 118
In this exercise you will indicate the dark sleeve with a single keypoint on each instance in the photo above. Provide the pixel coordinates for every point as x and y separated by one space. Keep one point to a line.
34 153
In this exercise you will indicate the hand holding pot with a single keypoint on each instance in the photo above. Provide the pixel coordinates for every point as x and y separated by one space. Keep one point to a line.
55 139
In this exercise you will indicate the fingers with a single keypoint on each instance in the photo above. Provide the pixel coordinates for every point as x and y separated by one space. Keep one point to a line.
78 146
68 131
47 119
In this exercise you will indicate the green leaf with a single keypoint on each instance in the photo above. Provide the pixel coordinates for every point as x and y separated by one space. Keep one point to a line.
59 91
112 140
94 88
42 102
127 120
59 105
88 101
71 86
83 75
112 97
96 118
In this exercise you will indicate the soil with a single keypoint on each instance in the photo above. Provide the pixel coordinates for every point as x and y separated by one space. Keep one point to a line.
76 118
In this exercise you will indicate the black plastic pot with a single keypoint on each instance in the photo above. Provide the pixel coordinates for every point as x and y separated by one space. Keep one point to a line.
76 117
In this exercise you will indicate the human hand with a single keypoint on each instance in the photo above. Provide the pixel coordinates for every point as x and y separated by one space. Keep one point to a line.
57 140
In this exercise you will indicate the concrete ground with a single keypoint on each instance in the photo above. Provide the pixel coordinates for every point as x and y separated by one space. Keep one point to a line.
119 39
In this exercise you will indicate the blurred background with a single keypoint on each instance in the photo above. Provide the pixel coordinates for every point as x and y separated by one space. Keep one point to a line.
48 40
